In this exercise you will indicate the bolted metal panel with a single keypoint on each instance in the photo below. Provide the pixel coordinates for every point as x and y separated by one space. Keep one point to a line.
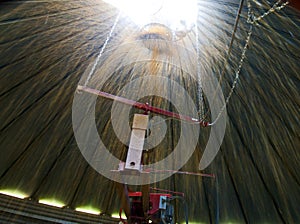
134 155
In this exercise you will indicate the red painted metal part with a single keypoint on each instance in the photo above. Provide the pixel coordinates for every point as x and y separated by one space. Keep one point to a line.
183 172
143 106
167 191
154 200
295 4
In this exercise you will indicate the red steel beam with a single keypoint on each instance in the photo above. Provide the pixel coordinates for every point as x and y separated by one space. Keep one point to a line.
295 4
143 106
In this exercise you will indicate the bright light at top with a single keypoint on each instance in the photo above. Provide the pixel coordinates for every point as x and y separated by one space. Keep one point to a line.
176 14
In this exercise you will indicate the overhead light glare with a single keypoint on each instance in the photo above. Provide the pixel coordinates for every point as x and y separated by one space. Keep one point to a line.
177 14
52 202
88 209
14 193
117 216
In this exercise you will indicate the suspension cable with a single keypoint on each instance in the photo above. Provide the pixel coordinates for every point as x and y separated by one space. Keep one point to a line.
252 20
227 58
102 50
